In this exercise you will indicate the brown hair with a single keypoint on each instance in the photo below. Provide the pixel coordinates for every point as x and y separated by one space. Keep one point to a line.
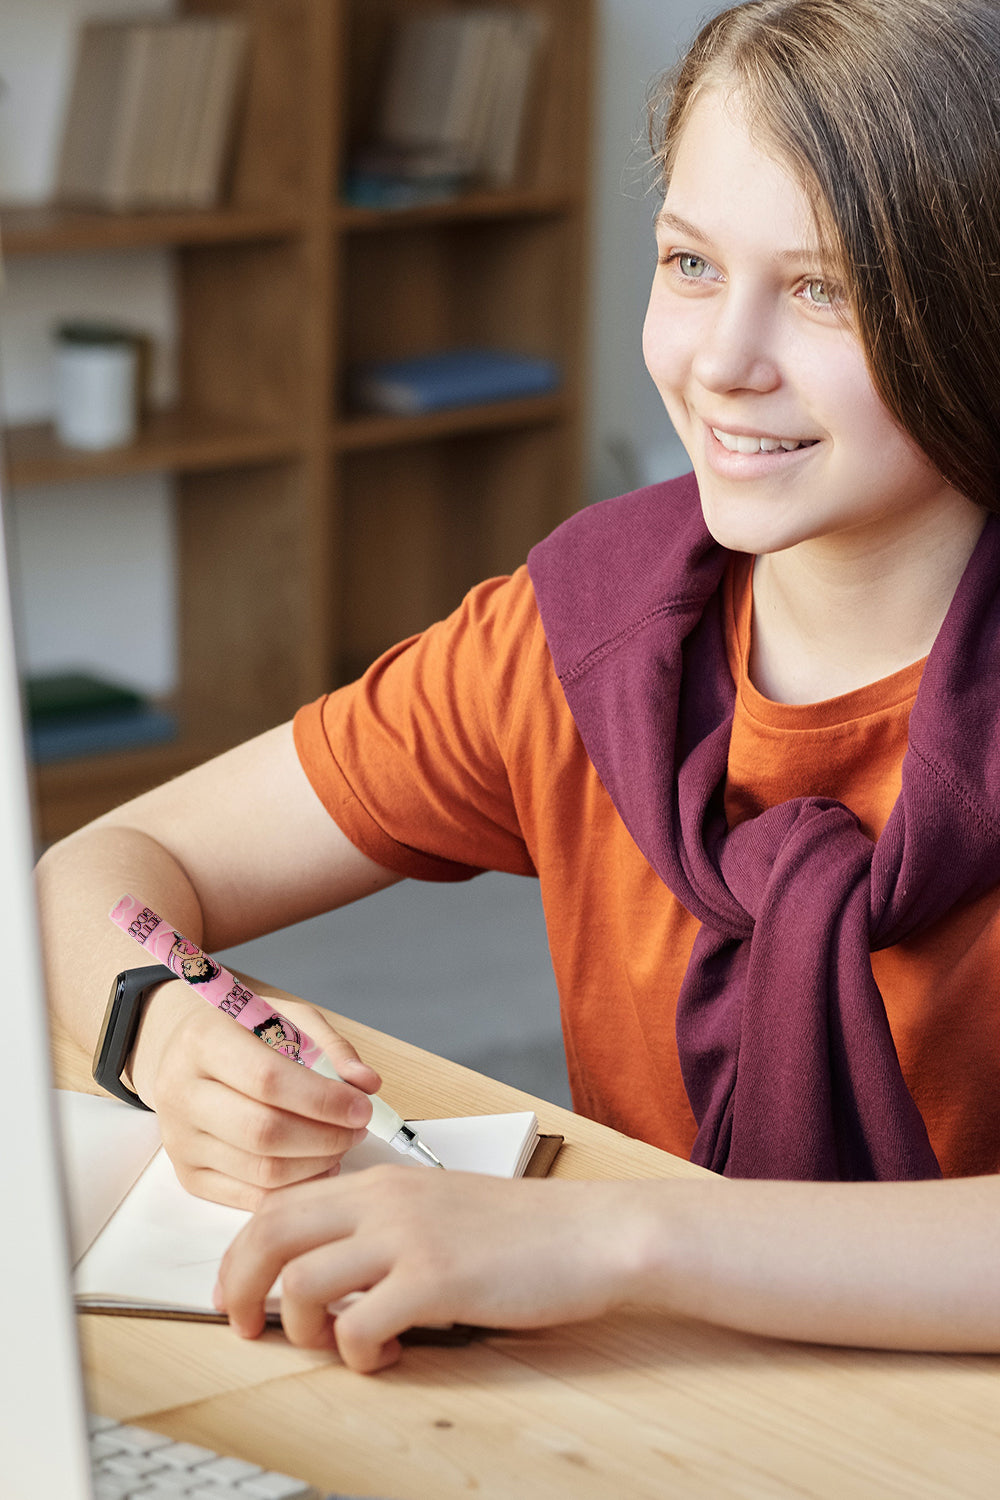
888 112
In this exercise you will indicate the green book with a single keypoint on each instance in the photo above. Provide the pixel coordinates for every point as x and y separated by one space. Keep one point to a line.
61 695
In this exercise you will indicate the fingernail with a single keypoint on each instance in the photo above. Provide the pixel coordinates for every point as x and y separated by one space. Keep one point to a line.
356 1065
359 1112
218 1300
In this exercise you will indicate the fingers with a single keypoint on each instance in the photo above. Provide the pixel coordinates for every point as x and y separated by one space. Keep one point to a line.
233 1110
314 1284
367 1331
239 1059
219 1187
339 1050
257 1175
261 1129
291 1223
224 1136
309 1235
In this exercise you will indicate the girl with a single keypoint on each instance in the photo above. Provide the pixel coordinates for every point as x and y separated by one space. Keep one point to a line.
743 727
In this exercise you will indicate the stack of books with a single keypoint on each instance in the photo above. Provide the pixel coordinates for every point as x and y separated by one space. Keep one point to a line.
151 113
75 713
451 378
455 93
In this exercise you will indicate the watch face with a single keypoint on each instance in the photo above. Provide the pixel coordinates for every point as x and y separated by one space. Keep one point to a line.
120 1024
112 1013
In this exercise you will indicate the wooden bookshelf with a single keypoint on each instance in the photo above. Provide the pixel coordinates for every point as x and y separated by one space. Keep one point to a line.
335 533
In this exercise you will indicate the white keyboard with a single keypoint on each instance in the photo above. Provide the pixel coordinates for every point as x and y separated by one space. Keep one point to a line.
130 1461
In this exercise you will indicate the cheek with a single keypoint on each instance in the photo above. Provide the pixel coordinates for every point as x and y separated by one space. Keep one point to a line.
649 350
841 395
662 344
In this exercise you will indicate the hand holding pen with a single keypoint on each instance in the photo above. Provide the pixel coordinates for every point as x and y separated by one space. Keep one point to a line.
224 991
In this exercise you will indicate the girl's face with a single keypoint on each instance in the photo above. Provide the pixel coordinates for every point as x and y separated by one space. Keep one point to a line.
754 355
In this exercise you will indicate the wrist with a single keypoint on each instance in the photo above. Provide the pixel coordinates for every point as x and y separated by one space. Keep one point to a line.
669 1257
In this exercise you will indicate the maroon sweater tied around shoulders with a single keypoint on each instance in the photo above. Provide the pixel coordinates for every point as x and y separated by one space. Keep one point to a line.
785 1047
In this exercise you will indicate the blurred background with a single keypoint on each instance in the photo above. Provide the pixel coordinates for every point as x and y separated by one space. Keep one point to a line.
314 312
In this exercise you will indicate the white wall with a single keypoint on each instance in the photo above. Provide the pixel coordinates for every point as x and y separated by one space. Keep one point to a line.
99 557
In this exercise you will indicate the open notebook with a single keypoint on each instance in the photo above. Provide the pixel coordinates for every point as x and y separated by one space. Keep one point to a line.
143 1245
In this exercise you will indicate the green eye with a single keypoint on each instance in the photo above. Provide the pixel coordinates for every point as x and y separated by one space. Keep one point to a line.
821 293
692 265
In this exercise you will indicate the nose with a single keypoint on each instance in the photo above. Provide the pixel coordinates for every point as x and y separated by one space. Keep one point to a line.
738 348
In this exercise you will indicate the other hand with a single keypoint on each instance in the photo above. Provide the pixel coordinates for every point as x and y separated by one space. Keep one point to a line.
426 1248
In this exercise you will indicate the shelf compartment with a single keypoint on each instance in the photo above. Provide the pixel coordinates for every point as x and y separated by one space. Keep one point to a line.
485 283
245 550
182 441
252 347
557 120
422 522
46 229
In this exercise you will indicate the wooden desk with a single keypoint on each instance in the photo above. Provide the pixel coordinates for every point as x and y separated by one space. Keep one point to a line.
633 1405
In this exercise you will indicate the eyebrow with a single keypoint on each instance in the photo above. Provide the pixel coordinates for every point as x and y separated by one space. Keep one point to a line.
666 219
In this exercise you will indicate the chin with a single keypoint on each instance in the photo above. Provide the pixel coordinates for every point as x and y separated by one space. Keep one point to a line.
744 524
741 534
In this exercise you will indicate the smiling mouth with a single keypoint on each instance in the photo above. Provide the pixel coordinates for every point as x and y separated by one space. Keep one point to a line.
736 443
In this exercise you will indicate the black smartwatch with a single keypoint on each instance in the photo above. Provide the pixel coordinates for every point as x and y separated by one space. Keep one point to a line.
121 1022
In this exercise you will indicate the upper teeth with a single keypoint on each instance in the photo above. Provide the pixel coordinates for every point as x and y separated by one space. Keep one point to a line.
736 443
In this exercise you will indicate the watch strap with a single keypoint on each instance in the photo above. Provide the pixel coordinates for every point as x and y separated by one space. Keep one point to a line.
121 1022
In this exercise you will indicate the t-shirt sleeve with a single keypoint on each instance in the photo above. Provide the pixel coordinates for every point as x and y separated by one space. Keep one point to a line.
411 761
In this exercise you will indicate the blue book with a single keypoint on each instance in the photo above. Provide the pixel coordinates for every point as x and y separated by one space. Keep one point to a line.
100 733
456 377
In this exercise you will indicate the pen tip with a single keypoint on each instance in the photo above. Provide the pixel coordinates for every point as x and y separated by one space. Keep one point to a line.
420 1151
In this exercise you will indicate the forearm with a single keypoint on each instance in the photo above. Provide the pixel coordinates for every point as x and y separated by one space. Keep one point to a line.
884 1265
79 881
229 851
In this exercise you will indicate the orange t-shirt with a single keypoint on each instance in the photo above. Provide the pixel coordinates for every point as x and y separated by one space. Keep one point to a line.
456 752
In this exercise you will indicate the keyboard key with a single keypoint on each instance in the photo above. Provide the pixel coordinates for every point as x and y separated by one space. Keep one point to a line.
276 1487
176 1486
185 1455
105 1444
97 1423
132 1466
227 1470
139 1440
108 1487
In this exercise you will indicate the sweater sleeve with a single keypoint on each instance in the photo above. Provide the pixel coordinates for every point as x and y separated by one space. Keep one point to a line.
411 761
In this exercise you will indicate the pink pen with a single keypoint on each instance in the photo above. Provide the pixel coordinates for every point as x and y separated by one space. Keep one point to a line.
223 990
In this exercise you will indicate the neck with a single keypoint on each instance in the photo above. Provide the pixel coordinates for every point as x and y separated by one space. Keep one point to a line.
838 613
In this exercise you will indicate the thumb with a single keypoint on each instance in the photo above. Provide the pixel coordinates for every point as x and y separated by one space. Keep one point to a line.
345 1059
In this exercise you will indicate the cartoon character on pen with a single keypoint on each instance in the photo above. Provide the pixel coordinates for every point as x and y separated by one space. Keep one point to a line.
281 1035
188 962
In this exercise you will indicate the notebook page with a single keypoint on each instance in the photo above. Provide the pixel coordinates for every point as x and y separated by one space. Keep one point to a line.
496 1145
105 1145
163 1246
